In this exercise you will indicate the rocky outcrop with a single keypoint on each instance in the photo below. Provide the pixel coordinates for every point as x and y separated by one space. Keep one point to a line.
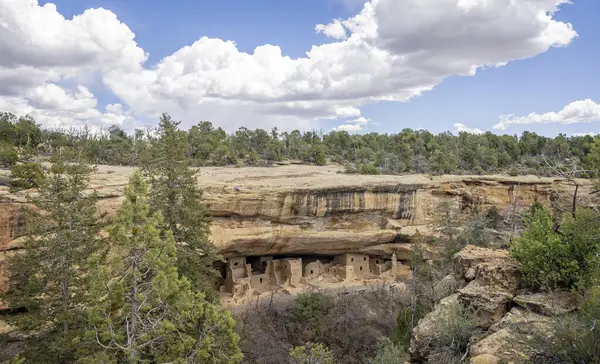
511 340
424 334
512 323
299 210
306 209
492 277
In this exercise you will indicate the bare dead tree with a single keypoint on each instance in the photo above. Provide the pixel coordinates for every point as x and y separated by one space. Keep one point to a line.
570 170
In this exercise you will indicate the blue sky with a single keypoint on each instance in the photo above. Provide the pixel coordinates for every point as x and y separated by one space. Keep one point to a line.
545 82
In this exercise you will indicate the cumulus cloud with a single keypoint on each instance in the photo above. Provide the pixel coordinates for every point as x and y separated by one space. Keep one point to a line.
391 50
57 108
334 29
583 111
463 128
585 134
350 128
354 125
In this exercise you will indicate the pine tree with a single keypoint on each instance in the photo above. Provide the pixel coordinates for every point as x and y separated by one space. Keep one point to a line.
146 312
175 192
61 229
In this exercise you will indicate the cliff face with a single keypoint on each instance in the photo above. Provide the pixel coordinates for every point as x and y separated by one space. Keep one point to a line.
308 210
305 210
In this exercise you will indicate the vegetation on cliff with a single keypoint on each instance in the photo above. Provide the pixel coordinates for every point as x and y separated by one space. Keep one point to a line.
408 151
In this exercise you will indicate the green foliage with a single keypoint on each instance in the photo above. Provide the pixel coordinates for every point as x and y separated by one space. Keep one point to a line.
175 192
389 353
368 169
311 353
8 155
406 320
550 258
310 308
16 360
26 175
49 278
415 151
144 311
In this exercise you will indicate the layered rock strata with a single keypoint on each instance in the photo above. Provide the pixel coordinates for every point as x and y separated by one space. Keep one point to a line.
305 210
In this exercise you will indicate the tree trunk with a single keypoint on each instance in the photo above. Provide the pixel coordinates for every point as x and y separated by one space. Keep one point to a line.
574 209
132 334
64 293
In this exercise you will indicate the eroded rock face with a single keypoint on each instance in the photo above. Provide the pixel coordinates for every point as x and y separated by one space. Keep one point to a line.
509 337
549 304
493 282
513 338
424 333
293 210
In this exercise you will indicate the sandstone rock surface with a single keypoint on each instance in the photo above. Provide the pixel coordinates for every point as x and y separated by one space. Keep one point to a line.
296 209
493 282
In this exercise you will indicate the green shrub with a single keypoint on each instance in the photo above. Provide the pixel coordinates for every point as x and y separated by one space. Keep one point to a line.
26 175
311 353
368 169
8 155
310 307
16 360
406 320
389 353
550 259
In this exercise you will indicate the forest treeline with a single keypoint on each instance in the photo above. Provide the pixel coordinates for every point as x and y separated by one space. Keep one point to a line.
408 151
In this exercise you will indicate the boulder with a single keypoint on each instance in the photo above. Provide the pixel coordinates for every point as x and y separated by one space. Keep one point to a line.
492 277
423 333
549 304
485 359
513 339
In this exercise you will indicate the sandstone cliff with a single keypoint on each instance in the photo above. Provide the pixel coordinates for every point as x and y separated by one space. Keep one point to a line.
300 210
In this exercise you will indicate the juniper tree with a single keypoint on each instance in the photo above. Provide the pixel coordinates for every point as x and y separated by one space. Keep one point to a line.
146 312
61 231
175 192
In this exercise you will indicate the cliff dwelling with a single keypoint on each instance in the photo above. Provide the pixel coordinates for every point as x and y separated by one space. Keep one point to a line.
243 277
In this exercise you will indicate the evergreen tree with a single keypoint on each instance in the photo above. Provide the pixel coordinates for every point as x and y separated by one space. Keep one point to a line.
146 312
61 232
175 192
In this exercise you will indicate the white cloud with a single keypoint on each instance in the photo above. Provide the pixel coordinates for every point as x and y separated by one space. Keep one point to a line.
354 125
57 108
583 111
462 127
333 30
350 128
585 134
391 50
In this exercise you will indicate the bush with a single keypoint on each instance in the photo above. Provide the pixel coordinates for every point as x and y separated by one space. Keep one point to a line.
311 307
26 175
389 353
550 259
311 353
368 169
406 320
8 155
451 339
